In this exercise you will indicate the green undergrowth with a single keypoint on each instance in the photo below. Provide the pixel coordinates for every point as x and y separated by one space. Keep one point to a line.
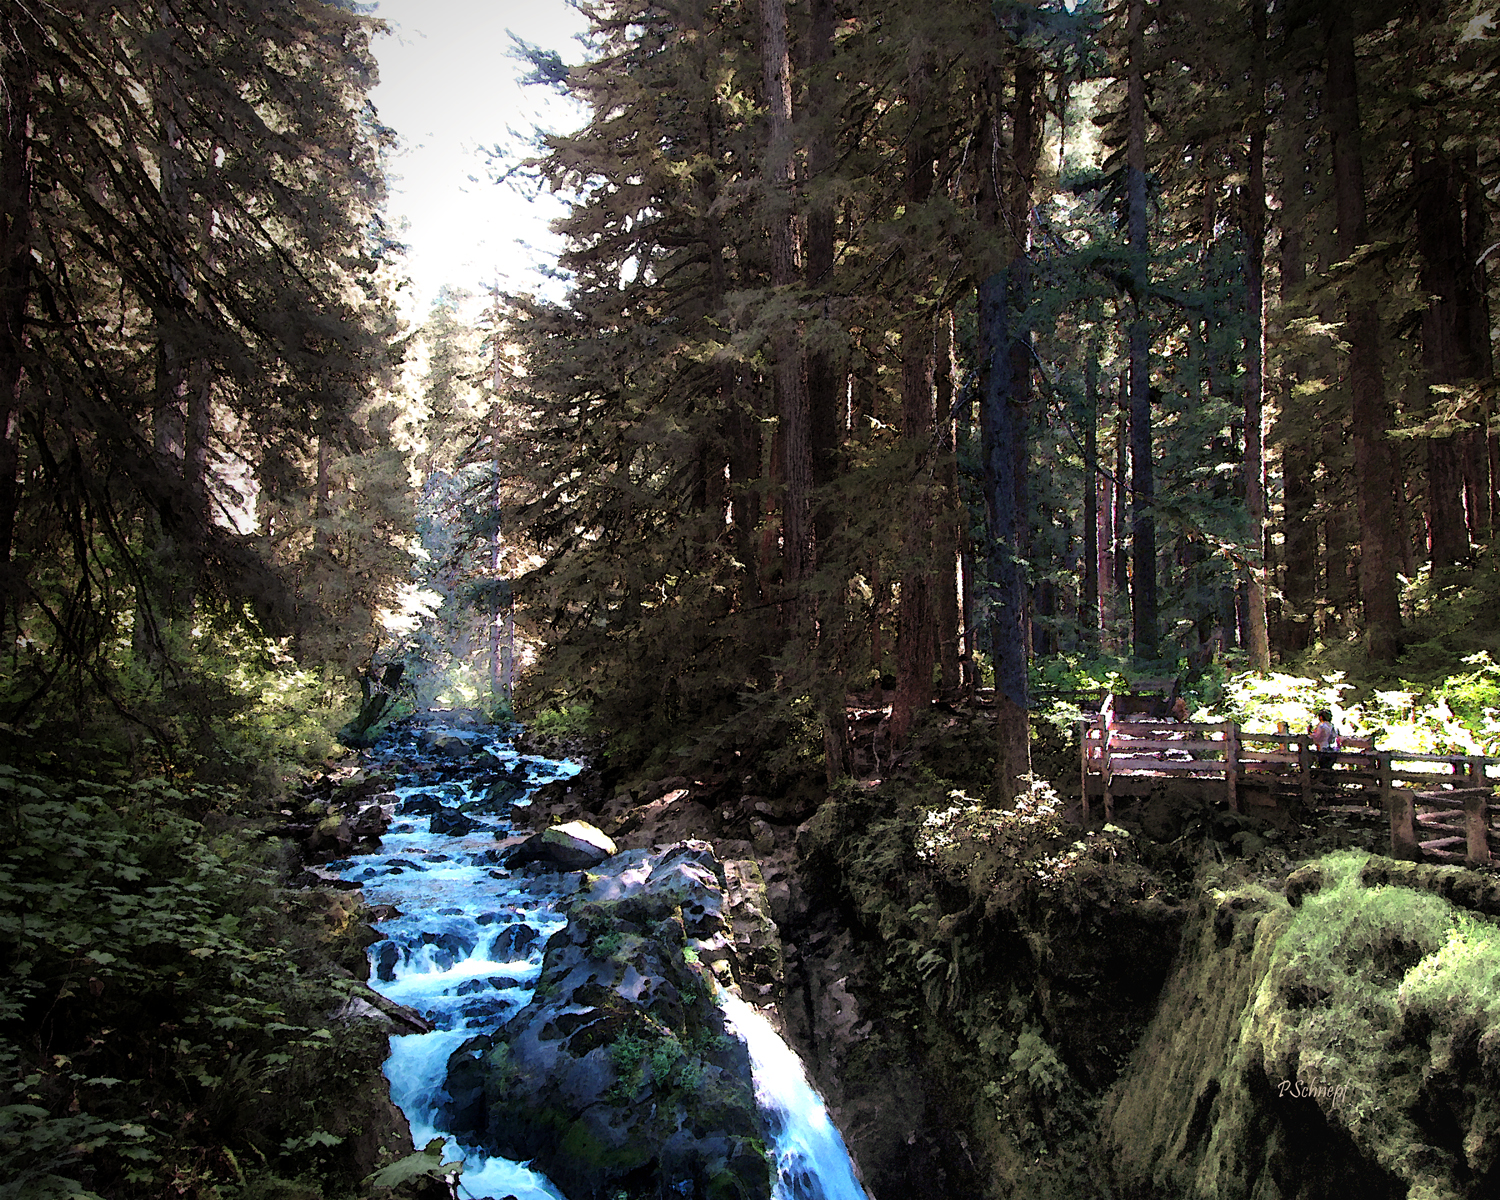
995 931
165 1006
1041 975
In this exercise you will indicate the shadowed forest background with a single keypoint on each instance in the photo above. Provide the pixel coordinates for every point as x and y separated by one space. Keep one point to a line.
930 357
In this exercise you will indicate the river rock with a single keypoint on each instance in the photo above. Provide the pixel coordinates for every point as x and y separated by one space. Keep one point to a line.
499 796
513 942
332 837
369 827
619 1076
447 743
574 846
387 959
455 824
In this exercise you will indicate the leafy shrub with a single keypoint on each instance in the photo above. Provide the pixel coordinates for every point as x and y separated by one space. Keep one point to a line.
567 721
153 993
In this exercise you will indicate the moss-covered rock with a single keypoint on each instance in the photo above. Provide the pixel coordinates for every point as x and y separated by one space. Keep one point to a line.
619 1076
955 957
1342 1047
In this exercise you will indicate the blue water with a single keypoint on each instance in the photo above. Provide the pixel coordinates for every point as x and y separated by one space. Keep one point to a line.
466 953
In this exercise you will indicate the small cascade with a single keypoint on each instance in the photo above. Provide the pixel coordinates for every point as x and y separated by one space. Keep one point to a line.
812 1162
466 952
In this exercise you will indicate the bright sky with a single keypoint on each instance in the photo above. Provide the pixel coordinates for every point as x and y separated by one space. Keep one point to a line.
448 86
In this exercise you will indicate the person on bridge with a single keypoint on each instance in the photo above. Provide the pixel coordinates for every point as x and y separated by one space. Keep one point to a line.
1325 739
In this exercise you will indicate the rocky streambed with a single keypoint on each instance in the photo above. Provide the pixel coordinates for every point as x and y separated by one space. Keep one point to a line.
997 1002
585 1004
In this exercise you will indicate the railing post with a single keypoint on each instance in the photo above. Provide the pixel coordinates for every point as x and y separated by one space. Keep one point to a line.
1083 755
1232 764
1106 768
1304 771
1477 825
1400 807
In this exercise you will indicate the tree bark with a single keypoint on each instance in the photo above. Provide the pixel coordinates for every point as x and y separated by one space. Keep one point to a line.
1088 603
16 197
823 376
915 640
1440 243
1144 619
823 379
1374 465
1479 480
1298 468
1257 635
1120 527
1000 426
1006 187
791 385
948 531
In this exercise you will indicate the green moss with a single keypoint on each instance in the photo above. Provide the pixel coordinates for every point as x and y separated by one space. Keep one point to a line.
1460 979
580 1146
1371 1003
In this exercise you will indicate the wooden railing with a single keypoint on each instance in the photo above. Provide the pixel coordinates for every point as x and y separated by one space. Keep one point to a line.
1450 797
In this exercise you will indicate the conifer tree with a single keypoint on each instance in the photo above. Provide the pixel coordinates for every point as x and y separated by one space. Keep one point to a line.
197 189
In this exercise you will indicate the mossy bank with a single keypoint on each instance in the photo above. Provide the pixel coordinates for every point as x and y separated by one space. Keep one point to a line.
1063 1015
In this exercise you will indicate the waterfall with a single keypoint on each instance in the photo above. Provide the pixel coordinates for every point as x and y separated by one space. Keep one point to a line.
812 1162
466 952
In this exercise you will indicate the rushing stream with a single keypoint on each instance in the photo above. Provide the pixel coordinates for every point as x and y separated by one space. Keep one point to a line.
467 949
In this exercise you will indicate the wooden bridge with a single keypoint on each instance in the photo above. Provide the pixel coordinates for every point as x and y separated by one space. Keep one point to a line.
1439 806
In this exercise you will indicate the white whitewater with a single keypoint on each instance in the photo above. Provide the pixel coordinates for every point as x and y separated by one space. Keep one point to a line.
812 1162
466 953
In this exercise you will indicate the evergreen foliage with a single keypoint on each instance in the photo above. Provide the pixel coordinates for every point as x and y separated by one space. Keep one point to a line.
663 481
193 338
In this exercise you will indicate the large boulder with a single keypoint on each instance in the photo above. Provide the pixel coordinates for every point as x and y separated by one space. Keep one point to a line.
620 1078
572 846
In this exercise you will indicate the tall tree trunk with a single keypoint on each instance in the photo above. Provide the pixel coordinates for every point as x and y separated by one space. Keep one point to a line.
1144 620
1374 465
1104 484
823 379
1298 467
823 375
16 197
915 642
1000 428
1479 480
1257 636
948 530
791 386
1440 242
1120 529
322 504
1088 603
1006 187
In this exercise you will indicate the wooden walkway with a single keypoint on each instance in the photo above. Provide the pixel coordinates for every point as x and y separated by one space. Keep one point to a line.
1439 806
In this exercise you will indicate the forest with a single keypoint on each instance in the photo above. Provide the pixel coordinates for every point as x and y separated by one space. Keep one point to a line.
931 345
919 359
